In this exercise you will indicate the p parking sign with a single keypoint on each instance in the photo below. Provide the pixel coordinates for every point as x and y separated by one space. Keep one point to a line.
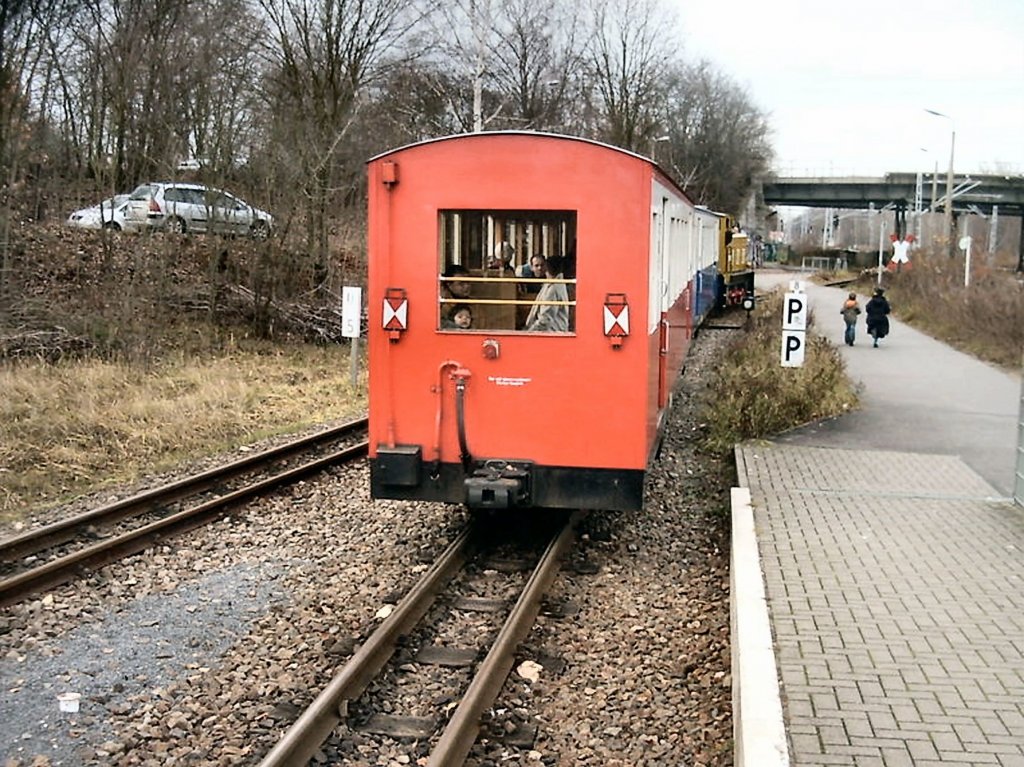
794 329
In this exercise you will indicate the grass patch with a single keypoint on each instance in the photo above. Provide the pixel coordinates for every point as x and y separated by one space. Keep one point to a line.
74 427
756 397
985 319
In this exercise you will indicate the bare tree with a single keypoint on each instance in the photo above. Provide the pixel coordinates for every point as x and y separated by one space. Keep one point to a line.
537 61
719 138
26 76
137 85
507 65
305 90
322 56
419 100
217 94
22 27
628 57
15 34
144 111
463 34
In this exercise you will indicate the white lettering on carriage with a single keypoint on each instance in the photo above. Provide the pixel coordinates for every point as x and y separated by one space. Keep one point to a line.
507 381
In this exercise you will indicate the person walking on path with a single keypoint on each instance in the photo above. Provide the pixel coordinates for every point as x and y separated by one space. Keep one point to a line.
850 311
877 311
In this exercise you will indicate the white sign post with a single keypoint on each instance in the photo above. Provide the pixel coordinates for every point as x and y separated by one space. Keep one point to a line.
1018 484
965 246
351 315
794 329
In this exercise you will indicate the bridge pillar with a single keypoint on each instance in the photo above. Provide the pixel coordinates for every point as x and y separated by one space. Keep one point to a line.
900 219
1020 244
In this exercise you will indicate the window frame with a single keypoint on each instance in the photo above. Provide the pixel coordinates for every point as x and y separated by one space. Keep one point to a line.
469 238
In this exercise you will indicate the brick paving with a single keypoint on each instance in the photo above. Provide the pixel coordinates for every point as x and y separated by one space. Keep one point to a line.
895 585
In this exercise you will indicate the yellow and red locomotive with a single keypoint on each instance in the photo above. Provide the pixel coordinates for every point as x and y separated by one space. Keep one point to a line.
531 301
735 265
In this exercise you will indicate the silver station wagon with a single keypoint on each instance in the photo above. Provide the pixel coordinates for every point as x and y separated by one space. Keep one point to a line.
183 208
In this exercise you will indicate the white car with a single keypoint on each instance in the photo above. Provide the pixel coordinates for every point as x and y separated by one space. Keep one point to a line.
180 208
108 214
194 163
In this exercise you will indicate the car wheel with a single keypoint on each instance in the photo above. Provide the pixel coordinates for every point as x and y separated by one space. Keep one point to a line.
260 230
175 226
113 226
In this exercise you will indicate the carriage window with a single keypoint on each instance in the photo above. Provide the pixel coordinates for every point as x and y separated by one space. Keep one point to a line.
509 270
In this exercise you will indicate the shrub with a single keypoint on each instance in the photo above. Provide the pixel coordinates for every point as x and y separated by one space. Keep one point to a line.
985 319
756 397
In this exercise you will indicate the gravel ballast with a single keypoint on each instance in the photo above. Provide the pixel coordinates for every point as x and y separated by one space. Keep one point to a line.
203 650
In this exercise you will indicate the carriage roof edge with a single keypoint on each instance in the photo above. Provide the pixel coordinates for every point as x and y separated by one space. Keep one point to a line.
535 134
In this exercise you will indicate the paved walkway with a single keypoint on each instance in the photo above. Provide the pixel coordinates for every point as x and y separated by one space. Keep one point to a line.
893 560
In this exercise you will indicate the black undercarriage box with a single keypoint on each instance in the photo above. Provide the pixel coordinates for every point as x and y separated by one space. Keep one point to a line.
400 465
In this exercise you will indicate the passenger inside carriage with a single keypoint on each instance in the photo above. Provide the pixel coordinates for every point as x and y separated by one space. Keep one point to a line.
552 317
500 261
454 288
532 269
491 260
460 317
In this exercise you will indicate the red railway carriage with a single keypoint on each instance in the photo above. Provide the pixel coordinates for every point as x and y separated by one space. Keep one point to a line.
495 385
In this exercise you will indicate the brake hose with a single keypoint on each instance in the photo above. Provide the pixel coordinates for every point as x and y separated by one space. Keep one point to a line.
460 417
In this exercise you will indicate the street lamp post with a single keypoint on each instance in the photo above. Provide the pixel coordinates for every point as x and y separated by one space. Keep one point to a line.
919 201
654 144
948 218
935 182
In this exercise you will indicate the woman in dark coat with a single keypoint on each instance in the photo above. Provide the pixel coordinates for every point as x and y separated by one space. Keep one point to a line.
877 312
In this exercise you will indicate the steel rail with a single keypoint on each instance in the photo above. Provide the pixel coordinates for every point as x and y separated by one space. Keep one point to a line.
304 738
840 283
64 530
64 568
461 732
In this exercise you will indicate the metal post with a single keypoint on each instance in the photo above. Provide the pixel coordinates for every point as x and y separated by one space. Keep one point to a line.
654 146
1020 251
881 240
948 221
353 363
993 230
479 31
965 242
935 186
1018 485
948 205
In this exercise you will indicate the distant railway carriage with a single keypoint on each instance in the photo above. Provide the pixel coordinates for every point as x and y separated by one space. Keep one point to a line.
554 395
735 265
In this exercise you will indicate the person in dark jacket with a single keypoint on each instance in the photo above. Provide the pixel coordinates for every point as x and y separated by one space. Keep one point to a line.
877 311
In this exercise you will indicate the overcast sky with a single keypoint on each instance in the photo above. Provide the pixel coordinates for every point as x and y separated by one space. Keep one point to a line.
846 84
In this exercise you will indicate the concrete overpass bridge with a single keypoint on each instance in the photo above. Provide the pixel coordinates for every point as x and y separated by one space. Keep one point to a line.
974 193
971 193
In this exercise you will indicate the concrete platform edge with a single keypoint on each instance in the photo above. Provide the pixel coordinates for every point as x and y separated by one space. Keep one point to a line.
759 732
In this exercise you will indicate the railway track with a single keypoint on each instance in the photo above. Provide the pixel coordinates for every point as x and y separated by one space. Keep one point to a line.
730 318
840 283
373 659
48 556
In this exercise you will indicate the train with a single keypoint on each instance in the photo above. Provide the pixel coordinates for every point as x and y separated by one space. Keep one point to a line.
531 300
735 282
